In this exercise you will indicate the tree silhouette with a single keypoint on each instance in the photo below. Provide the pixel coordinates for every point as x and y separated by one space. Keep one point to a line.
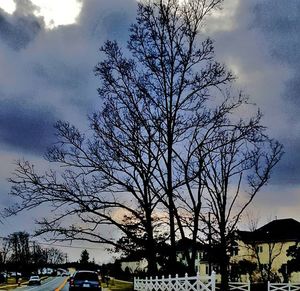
171 137
84 257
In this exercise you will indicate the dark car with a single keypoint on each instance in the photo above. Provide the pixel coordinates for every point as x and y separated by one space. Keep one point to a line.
85 280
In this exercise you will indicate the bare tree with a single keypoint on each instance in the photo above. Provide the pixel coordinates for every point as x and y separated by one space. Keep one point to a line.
235 170
151 104
54 256
19 242
163 143
4 251
252 220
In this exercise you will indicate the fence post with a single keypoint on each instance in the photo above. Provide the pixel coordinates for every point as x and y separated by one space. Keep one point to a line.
269 286
170 283
186 281
213 280
134 283
176 284
198 281
289 286
248 285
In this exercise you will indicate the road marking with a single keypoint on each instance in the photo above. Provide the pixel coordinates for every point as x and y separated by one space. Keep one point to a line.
51 281
8 286
62 285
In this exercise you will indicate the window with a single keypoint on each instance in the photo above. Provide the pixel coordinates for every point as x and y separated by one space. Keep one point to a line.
91 276
259 249
235 251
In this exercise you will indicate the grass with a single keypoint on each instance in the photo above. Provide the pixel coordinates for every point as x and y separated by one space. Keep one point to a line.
11 283
118 285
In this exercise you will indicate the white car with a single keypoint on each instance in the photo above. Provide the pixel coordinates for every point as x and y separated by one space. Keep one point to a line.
34 280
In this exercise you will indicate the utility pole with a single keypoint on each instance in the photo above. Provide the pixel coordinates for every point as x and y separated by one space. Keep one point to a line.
209 244
66 257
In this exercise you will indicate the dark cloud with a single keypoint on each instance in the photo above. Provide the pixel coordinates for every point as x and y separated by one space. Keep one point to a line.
280 24
26 127
287 172
102 19
53 69
21 28
20 32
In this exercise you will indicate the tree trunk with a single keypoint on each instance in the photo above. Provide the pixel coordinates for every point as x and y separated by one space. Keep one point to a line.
224 260
172 259
151 246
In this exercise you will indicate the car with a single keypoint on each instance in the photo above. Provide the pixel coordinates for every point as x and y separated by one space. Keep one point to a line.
34 280
64 274
86 280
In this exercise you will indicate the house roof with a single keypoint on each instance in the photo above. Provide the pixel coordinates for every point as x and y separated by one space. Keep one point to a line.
276 230
184 244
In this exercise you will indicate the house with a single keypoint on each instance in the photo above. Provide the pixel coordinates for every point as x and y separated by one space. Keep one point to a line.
267 247
133 266
185 245
204 264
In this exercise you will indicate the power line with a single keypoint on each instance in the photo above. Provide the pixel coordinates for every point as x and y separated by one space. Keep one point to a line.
61 245
70 246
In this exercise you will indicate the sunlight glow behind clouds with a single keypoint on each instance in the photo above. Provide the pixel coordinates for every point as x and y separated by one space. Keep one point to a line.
54 12
57 12
8 6
223 19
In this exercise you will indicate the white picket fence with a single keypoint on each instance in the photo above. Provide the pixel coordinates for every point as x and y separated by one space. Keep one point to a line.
195 283
239 286
283 286
201 283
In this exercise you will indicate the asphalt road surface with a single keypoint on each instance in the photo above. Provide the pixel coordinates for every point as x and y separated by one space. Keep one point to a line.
66 288
49 284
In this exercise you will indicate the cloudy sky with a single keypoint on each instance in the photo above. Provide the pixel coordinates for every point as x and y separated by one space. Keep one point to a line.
48 50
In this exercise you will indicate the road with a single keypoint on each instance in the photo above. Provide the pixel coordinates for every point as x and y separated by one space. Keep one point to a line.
49 284
66 288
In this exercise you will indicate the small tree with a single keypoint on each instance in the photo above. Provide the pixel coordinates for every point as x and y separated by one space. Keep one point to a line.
293 264
84 257
243 267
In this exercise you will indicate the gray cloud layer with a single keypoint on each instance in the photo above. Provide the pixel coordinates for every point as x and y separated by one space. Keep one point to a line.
48 74
52 70
280 23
